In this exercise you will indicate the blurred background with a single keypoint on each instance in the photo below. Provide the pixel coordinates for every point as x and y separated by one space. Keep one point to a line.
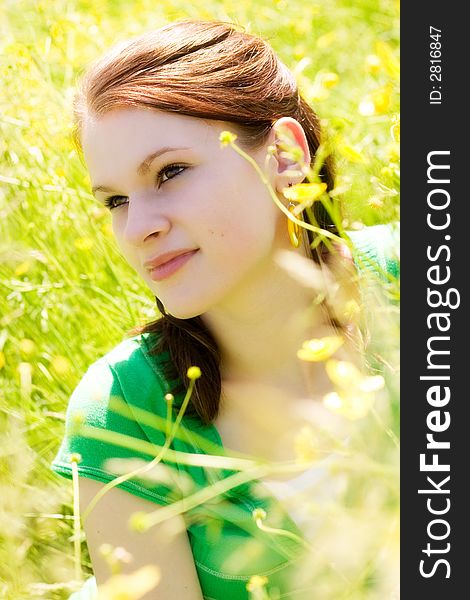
67 297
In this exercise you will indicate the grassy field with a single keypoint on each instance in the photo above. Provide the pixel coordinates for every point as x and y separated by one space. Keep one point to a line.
66 295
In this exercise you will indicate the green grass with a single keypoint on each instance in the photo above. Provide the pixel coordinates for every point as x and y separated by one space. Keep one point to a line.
67 296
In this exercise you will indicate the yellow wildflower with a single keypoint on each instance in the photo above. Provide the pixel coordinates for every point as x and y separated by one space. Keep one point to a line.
320 88
350 406
259 514
2 359
226 138
131 587
138 522
256 582
61 365
107 229
57 32
194 373
327 39
393 152
302 192
355 394
328 80
351 153
377 102
23 268
381 98
332 400
84 243
59 172
27 347
342 373
370 384
318 349
77 422
351 308
317 93
115 557
302 27
97 212
375 201
372 63
386 172
299 52
388 60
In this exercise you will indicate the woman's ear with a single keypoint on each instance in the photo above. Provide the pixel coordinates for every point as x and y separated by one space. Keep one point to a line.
291 152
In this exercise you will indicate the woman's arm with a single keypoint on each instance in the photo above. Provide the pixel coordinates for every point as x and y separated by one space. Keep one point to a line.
166 545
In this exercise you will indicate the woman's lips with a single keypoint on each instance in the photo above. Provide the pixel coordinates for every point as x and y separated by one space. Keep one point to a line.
170 267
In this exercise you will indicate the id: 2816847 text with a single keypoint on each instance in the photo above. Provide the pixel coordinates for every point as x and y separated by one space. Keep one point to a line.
435 65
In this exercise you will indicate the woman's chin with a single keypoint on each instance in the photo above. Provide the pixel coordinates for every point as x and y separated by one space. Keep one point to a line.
182 312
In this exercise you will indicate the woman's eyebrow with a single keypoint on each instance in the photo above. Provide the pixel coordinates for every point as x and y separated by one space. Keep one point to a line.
144 165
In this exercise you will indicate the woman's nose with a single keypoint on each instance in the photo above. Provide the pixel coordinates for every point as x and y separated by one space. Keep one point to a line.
144 219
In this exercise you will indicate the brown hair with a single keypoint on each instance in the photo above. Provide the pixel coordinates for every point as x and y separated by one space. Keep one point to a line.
205 69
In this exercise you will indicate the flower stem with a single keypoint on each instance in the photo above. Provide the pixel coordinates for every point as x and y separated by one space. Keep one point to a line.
121 479
289 215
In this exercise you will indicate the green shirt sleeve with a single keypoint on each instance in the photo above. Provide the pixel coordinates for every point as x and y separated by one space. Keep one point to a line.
115 422
377 250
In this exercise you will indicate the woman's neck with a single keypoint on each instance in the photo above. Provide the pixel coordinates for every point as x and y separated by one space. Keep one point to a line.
260 327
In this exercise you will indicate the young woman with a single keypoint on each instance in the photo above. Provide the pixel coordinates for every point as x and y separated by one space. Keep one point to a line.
199 226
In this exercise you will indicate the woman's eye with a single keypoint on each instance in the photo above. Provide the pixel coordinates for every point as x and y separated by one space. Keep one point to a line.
170 171
115 201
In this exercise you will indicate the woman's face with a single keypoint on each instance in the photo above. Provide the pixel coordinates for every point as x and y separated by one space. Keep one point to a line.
173 189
